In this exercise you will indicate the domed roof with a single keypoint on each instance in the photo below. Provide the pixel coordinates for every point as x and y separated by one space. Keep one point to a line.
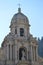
19 15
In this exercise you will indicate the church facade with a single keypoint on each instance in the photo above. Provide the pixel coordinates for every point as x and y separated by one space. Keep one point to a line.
19 46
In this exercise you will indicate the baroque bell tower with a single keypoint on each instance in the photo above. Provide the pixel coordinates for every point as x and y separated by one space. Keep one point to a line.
20 29
20 47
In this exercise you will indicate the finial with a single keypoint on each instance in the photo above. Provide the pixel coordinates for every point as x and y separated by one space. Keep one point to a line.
19 9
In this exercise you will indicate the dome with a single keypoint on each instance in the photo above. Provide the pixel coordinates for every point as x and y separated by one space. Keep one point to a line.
19 16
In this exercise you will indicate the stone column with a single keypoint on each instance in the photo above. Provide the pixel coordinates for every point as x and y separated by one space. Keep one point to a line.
37 53
31 53
5 51
7 47
10 52
27 54
34 53
14 52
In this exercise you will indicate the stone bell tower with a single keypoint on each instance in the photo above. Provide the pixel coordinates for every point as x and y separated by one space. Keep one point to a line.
20 29
20 48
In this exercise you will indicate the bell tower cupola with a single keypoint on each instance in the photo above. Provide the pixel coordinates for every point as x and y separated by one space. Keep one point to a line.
20 24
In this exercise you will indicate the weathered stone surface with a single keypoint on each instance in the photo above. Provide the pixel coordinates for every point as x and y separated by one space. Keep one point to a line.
19 48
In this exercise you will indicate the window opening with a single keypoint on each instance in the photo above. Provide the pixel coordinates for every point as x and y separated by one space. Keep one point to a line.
21 32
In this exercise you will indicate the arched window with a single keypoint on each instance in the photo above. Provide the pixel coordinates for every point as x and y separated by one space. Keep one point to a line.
21 32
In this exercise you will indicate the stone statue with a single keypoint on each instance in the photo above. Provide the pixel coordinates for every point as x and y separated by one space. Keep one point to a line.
23 55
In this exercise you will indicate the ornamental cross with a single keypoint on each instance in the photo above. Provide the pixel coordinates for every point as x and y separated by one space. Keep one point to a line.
19 5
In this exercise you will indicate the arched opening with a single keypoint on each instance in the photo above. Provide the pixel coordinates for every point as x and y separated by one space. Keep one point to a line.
22 53
21 32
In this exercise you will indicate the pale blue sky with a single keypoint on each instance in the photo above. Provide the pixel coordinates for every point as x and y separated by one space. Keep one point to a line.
33 9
